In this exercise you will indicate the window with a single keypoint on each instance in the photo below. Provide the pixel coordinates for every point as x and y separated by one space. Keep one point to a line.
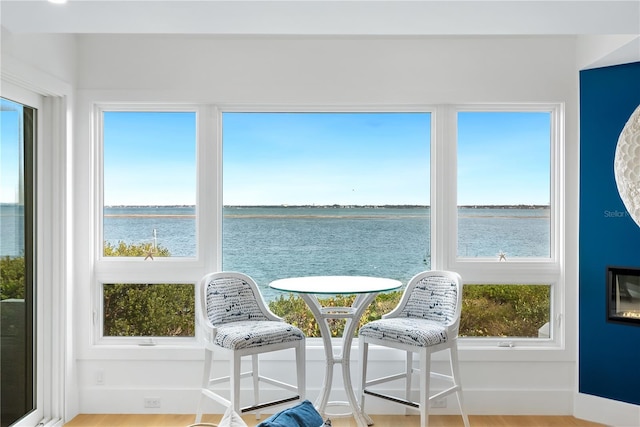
149 182
507 214
148 310
504 188
18 285
148 190
512 311
325 193
289 193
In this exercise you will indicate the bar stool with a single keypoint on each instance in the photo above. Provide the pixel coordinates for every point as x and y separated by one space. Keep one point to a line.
237 323
425 321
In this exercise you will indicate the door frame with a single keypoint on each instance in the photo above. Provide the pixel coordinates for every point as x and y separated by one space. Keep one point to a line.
53 346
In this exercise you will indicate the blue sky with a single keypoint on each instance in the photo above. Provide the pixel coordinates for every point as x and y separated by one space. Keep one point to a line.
10 141
149 158
326 158
504 158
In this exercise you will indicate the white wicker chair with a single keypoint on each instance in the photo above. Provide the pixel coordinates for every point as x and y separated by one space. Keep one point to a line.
237 323
425 321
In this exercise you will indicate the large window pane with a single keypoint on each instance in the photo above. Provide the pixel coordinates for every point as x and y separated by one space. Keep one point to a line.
148 310
520 311
504 192
150 182
17 250
325 194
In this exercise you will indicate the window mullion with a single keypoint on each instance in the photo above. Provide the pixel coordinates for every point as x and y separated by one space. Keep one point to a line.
209 188
443 191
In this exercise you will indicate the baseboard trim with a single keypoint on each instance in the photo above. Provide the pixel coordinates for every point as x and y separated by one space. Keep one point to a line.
107 400
606 411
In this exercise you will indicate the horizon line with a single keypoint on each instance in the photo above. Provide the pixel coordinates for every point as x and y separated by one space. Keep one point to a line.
338 205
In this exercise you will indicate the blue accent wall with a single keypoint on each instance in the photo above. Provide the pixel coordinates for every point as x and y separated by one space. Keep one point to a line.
609 358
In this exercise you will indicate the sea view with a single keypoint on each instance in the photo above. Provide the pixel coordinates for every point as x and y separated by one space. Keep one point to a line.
271 242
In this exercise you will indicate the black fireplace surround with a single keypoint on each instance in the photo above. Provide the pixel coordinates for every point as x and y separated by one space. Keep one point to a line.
623 295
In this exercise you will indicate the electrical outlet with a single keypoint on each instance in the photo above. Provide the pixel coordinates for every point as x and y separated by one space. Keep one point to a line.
100 377
151 402
438 403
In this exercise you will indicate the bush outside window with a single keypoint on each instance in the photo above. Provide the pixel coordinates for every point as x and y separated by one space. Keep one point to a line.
146 309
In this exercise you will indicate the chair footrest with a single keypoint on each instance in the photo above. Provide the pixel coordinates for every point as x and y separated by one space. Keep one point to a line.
392 398
269 404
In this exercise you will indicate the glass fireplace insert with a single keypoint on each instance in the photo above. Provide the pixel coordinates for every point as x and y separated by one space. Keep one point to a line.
623 295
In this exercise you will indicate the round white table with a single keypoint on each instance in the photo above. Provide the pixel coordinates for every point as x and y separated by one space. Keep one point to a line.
365 288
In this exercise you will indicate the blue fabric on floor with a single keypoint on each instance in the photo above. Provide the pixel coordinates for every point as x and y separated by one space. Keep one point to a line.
301 415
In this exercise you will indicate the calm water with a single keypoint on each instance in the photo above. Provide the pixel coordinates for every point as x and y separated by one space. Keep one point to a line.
11 229
274 242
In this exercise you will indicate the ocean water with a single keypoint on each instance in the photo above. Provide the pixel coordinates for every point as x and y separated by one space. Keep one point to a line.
272 243
269 243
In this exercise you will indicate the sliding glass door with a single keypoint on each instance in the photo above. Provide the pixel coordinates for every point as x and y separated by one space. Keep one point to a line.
18 358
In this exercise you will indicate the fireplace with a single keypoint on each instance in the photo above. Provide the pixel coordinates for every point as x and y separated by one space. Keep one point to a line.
623 295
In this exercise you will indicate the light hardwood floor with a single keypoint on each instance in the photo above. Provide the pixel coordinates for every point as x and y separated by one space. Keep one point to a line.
167 420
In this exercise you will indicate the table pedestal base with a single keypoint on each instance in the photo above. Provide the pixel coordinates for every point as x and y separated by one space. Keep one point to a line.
352 315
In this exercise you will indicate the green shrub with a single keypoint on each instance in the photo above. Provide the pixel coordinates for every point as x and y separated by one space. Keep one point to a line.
12 270
504 310
157 310
294 310
142 250
487 310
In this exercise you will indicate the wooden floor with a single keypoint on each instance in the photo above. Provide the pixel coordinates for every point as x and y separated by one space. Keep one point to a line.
166 420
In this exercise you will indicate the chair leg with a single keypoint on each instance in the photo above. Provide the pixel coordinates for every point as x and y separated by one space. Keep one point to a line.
363 348
425 383
455 372
206 374
234 379
408 379
301 375
255 375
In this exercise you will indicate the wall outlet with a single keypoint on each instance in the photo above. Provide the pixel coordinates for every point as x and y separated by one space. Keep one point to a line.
151 402
438 403
100 377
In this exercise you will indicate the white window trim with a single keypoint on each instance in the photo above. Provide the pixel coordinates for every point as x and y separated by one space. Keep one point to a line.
490 270
443 213
170 270
98 202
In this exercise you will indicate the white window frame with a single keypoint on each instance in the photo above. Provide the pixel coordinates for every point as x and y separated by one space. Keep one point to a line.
443 202
41 345
163 270
525 270
316 342
50 260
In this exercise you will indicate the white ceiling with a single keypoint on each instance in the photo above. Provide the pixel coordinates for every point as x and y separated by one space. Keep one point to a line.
324 17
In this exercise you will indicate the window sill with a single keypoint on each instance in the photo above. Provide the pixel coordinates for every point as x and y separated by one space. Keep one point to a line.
193 350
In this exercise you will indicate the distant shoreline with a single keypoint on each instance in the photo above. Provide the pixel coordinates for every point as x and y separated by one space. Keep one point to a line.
326 211
337 206
147 215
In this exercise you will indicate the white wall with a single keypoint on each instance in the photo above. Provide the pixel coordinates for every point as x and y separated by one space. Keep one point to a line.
324 71
50 55
605 50
333 70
